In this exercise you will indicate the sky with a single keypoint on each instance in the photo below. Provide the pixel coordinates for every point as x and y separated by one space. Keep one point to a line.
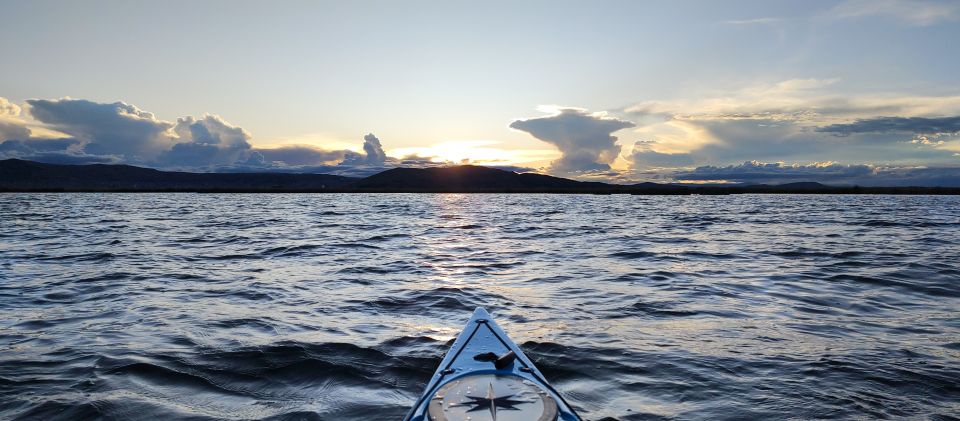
844 92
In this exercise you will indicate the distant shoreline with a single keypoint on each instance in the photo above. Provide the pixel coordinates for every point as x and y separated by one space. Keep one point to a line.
19 176
898 191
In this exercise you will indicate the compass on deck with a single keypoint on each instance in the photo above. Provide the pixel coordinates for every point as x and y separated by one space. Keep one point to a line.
491 402
491 397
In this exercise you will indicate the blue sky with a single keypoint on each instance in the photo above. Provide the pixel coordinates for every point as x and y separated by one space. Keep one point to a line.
625 91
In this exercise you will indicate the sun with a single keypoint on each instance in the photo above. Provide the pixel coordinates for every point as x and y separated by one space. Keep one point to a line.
480 152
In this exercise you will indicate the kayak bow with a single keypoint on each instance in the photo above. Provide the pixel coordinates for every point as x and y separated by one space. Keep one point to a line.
485 376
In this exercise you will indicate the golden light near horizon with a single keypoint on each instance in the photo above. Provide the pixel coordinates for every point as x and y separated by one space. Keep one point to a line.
478 152
313 140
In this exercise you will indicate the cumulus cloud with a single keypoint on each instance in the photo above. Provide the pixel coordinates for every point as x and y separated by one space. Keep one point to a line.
8 108
105 129
914 12
11 126
311 159
371 145
373 153
17 141
584 139
118 132
208 141
755 172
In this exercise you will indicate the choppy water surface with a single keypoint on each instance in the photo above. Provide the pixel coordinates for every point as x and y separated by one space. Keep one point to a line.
340 307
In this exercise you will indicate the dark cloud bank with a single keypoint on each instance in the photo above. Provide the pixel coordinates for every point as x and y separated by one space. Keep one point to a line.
915 125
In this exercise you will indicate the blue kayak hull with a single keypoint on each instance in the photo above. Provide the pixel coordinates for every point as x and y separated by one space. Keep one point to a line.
459 388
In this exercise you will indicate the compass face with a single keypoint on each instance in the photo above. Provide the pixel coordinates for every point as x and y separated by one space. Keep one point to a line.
488 397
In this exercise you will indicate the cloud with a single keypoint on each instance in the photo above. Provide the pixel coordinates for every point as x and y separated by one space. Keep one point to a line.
913 12
53 151
644 156
208 141
310 159
295 155
11 129
756 21
38 145
913 125
583 138
806 101
17 141
106 129
371 145
122 133
11 126
795 120
8 108
118 132
373 153
755 172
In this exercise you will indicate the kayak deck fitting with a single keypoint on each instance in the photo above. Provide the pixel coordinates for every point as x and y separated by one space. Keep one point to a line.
485 376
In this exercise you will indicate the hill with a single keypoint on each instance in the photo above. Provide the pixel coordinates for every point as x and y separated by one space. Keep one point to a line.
27 176
20 175
473 179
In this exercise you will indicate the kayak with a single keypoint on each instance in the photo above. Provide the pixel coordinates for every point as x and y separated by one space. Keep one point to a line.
485 376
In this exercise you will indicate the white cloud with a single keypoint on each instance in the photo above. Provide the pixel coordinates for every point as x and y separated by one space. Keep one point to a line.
106 129
119 132
799 100
8 108
583 138
913 12
11 125
797 119
755 21
207 142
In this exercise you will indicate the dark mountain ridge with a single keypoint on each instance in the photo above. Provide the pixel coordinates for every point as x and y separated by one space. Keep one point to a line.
28 176
472 179
20 175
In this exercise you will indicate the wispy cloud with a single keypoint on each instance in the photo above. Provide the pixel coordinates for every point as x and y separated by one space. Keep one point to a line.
913 12
755 21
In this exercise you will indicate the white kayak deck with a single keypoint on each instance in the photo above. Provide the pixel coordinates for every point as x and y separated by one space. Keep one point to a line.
469 362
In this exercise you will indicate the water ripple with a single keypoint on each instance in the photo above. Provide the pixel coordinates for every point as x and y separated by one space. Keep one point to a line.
299 306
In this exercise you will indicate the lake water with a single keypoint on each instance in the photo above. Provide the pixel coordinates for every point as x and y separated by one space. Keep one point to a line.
339 307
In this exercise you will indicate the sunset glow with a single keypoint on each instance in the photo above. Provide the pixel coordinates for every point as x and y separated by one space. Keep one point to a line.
485 152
